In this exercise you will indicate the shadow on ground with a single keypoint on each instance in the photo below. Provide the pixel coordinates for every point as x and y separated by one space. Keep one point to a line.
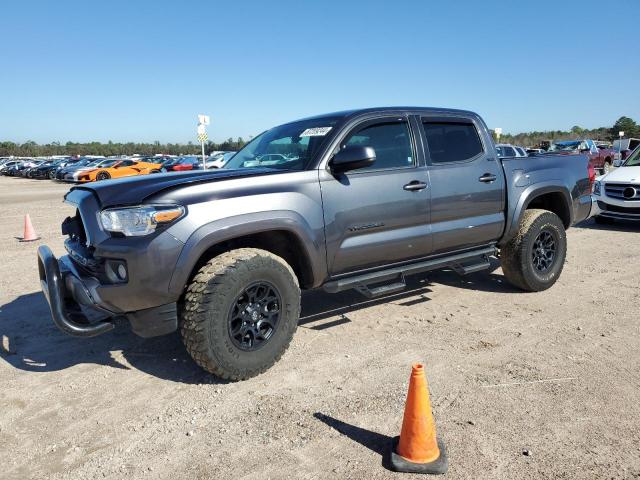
615 226
376 442
31 342
318 305
34 344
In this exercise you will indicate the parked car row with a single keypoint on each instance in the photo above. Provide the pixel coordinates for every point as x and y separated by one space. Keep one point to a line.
91 169
601 156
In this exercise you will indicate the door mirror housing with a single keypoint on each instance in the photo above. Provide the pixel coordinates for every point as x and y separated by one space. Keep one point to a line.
352 157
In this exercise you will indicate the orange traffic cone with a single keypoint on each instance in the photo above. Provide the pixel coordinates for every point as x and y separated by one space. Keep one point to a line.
418 450
30 234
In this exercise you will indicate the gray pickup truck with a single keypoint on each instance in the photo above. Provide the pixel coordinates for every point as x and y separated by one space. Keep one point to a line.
349 200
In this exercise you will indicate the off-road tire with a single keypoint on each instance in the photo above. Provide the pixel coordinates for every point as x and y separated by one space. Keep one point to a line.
210 296
103 176
516 255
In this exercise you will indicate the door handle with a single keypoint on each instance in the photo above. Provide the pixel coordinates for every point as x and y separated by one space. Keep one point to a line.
487 178
414 186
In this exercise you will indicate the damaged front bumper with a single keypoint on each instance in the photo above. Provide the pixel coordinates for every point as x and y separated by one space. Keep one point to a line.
65 293
67 290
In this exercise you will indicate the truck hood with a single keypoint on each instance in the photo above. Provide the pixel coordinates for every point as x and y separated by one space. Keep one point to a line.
623 174
134 190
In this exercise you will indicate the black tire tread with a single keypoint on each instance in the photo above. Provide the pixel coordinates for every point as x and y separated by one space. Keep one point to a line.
200 299
512 257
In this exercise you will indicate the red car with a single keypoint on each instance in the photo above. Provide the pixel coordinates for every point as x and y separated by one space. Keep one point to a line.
601 159
183 164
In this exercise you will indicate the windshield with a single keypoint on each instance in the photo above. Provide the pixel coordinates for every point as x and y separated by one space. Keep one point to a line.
287 147
564 147
633 160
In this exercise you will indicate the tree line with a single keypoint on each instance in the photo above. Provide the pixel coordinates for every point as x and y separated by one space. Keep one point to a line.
534 139
528 139
33 149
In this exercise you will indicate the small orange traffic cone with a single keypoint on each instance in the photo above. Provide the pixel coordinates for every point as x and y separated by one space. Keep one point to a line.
418 450
30 234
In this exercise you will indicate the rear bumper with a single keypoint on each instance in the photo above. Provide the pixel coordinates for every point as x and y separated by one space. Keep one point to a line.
67 290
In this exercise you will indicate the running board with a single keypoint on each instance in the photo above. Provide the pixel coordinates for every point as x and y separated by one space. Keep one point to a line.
389 288
475 259
484 264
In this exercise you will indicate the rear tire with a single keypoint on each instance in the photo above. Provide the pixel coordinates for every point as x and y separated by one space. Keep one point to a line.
606 167
534 258
217 306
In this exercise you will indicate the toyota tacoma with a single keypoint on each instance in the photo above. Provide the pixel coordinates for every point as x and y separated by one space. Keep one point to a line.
350 200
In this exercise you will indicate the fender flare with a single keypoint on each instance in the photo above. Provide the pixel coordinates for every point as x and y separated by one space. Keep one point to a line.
527 196
229 228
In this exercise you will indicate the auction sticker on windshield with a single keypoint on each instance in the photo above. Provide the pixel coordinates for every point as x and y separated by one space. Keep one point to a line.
316 132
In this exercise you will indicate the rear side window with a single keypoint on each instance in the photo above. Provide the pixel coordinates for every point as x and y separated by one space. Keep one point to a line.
452 142
391 142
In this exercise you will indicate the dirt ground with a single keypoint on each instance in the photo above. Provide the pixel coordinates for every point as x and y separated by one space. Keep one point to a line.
556 373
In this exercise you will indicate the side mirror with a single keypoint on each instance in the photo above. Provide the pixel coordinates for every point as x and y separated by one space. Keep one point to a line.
352 157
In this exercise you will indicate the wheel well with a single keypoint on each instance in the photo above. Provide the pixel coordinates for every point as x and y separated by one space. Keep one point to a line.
554 202
279 242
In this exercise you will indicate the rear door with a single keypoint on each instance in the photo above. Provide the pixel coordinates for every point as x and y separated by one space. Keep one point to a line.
380 214
466 181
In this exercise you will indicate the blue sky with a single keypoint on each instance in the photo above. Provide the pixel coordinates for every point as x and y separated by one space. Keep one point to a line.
142 70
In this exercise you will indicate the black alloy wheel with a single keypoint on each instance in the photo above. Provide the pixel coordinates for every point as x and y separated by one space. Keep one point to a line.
544 251
254 316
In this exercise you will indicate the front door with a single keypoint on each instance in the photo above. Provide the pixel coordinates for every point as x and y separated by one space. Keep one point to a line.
379 214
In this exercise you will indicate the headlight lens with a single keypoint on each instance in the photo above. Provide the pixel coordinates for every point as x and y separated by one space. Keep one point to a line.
596 188
139 221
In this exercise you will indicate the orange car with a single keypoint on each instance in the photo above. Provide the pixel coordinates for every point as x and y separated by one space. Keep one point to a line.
117 168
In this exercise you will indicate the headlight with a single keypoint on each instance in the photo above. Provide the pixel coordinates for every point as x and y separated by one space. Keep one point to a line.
139 221
596 188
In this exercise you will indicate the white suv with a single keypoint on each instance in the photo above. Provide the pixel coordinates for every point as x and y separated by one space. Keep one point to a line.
618 192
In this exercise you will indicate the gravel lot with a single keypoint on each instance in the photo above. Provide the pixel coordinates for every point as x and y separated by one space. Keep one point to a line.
556 373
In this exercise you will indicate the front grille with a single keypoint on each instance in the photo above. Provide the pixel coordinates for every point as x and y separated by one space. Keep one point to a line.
623 191
614 208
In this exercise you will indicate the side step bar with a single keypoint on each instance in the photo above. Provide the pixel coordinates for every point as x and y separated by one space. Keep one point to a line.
462 263
387 289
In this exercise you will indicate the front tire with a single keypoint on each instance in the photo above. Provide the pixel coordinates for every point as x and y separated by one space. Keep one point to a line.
240 313
606 167
534 258
103 176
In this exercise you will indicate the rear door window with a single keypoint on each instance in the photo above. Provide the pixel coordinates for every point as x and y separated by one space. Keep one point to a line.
452 141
